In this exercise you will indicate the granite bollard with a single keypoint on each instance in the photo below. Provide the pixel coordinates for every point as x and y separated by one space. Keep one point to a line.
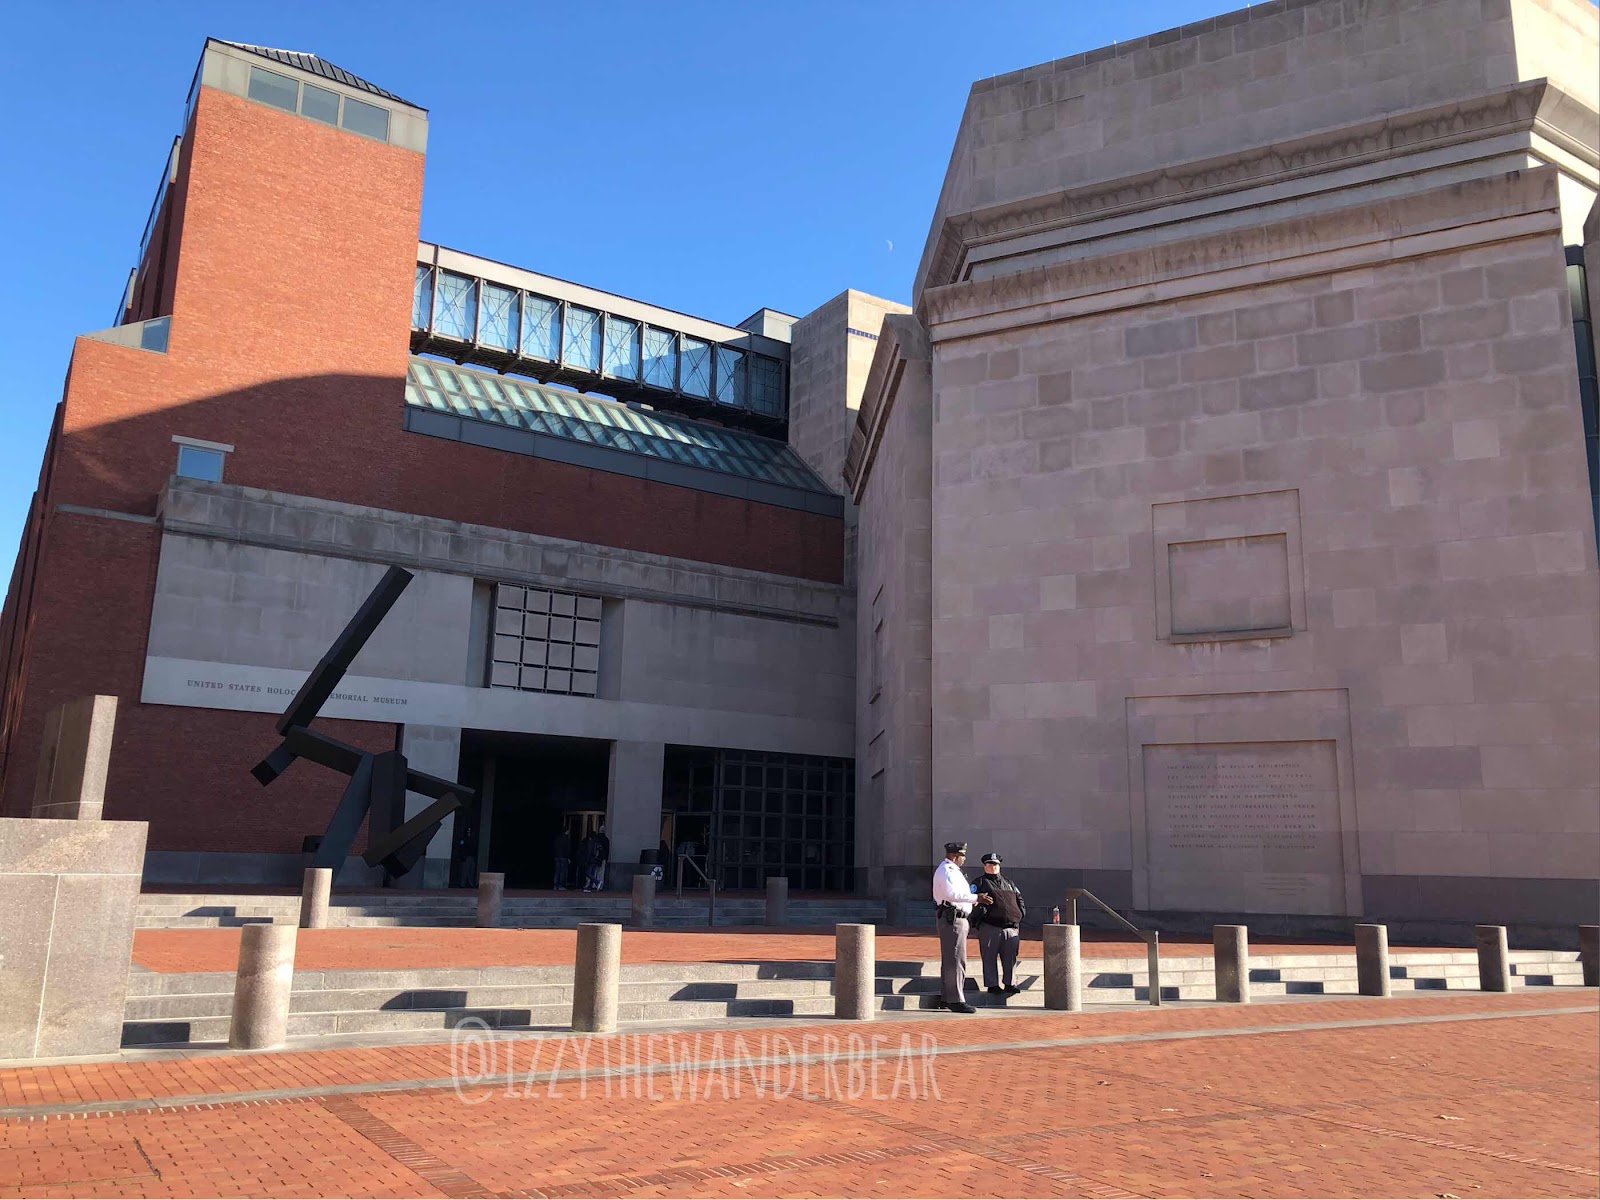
491 898
594 978
855 970
316 889
1372 960
1063 968
1494 964
777 900
1589 954
1231 945
262 987
644 901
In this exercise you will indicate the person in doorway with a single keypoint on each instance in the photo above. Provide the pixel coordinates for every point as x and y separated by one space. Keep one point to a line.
561 851
1000 934
599 856
585 853
955 900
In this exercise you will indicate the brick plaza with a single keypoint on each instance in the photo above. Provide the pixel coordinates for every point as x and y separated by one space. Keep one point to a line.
1465 1095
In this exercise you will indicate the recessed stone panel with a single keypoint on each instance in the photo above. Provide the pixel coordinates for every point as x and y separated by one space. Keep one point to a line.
1244 827
1228 567
1229 585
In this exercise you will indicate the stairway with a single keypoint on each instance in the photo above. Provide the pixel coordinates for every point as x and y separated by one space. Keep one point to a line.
158 910
168 1009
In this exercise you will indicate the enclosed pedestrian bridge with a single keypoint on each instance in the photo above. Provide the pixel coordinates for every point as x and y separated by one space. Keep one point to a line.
473 310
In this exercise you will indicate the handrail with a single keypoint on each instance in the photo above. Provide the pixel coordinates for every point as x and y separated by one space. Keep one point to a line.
1151 937
711 887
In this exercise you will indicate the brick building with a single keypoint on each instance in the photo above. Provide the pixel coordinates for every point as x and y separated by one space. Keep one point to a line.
630 604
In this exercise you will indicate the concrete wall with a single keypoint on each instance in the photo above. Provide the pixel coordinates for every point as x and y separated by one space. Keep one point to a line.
896 837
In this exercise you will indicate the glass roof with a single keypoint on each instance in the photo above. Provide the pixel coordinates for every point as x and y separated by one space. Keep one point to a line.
523 404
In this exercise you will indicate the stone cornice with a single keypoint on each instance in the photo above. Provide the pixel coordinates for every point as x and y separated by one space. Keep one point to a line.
305 524
901 340
1515 204
1531 107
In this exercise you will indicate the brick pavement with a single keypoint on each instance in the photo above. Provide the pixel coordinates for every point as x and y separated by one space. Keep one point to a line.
1468 1095
399 948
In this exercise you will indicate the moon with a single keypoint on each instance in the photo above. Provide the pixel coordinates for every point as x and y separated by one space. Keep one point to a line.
890 245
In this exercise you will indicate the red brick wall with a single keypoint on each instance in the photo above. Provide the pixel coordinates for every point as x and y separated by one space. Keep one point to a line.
289 283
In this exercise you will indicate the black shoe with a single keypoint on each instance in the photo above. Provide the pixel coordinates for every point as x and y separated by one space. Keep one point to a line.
1011 989
962 1008
996 991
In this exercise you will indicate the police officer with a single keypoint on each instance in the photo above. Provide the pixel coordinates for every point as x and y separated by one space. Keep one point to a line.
955 901
999 936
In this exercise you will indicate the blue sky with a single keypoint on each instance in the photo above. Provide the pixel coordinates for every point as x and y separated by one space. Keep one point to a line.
710 157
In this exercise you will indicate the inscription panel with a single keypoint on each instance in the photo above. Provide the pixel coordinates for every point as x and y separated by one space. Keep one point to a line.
1244 827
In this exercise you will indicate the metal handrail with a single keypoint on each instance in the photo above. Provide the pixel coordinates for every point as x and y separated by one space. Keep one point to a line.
711 887
1152 938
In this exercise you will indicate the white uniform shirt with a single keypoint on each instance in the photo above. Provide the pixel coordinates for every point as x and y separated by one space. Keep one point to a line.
950 884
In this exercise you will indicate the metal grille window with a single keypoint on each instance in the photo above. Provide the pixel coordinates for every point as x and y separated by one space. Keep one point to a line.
498 324
545 641
455 312
765 382
580 342
622 348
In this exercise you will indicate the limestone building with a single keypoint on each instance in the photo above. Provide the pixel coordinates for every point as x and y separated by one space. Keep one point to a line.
1227 505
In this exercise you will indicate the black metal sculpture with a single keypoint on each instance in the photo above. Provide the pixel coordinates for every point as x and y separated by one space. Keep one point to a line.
378 782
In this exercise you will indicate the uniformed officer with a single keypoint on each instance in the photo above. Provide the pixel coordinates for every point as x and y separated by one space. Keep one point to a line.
955 900
999 935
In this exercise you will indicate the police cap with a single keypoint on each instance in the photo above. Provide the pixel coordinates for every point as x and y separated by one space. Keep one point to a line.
992 857
955 847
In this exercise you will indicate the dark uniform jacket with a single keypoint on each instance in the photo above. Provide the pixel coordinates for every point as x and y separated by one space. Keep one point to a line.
1008 909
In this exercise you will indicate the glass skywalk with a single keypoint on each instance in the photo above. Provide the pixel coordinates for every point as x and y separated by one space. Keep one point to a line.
555 412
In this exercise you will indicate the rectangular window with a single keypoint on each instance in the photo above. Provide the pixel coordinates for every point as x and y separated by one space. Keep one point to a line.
580 342
764 378
271 88
319 104
198 462
694 368
622 348
541 327
498 324
366 119
422 299
660 358
730 377
456 308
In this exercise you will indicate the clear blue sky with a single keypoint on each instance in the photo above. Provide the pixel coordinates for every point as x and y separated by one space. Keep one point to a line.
710 157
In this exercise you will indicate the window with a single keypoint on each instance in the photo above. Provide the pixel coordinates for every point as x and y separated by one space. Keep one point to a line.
730 377
545 641
580 344
622 348
660 358
541 328
271 88
200 460
366 119
695 368
320 104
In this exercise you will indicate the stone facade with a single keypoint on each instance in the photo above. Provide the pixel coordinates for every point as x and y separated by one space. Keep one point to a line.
1263 564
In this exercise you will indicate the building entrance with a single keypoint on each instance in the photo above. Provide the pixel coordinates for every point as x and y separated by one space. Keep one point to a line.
529 788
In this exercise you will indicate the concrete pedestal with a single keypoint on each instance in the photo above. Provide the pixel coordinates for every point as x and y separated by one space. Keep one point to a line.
855 971
74 756
315 890
777 901
1494 963
644 901
67 892
1063 968
1372 960
594 978
491 895
262 987
1231 945
1589 954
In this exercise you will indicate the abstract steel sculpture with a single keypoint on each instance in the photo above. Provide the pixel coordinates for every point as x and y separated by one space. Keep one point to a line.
378 782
